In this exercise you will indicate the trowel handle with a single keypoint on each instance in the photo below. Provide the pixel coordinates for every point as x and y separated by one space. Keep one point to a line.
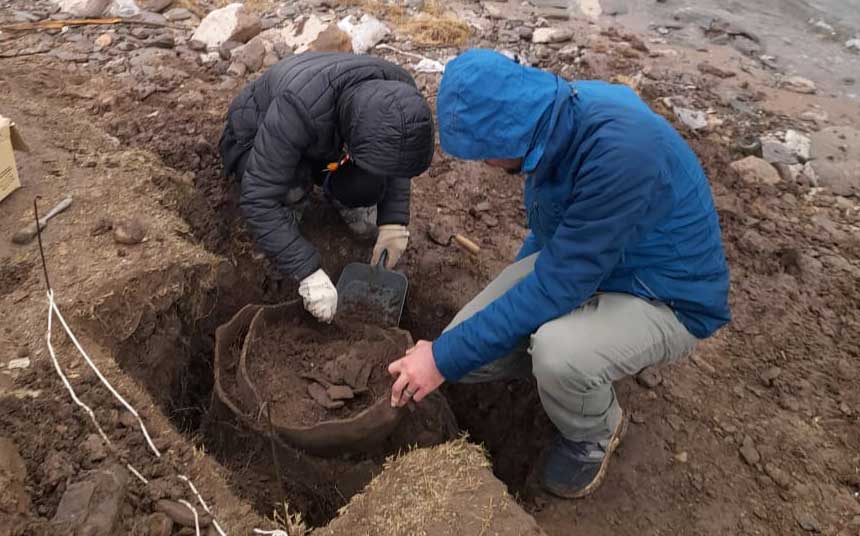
467 244
382 258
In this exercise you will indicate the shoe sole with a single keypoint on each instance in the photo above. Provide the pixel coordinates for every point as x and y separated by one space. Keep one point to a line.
592 486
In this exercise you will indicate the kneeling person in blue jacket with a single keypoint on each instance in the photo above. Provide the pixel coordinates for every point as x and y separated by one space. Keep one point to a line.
623 267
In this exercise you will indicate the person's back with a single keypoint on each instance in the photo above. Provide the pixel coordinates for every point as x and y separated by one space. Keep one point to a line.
680 260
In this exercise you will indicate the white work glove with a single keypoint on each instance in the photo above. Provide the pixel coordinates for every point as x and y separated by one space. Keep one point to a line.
319 295
393 238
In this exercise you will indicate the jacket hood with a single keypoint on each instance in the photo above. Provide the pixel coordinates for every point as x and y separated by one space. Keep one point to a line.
388 128
492 107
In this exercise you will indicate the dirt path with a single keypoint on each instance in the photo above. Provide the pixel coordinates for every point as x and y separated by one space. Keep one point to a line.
757 434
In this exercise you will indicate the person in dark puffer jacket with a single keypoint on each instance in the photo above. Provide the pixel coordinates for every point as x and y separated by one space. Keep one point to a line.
355 125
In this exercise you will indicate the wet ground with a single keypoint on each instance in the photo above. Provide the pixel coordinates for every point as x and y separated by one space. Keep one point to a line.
806 37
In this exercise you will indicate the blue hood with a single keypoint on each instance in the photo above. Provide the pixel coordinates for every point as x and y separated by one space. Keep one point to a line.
476 119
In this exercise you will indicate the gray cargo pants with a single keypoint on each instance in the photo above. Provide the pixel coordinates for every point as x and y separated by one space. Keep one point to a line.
576 357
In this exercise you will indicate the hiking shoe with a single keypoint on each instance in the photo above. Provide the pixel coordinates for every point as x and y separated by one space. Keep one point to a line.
575 469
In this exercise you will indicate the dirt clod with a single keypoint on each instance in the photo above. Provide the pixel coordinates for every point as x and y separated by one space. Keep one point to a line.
159 524
319 394
129 232
340 392
95 448
13 475
650 377
749 452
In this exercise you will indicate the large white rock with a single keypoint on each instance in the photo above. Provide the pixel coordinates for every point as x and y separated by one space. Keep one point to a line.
299 34
365 34
551 35
230 23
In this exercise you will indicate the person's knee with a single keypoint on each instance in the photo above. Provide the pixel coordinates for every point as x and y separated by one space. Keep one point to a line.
557 363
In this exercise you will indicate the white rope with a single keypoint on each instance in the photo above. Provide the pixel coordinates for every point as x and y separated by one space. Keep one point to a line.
193 511
53 309
98 373
74 395
202 503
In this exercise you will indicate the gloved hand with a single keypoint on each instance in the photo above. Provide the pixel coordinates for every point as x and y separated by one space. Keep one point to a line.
393 238
319 296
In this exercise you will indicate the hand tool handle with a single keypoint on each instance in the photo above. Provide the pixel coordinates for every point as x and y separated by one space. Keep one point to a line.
467 244
61 206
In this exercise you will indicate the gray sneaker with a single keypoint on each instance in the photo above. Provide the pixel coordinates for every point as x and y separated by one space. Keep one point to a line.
575 469
361 220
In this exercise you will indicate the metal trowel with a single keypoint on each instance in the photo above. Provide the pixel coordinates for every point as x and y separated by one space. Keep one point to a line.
372 294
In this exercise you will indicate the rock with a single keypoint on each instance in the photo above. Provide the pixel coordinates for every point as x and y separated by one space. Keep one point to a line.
94 448
807 522
707 68
237 69
127 420
492 10
552 35
163 40
845 370
92 505
835 158
129 232
365 34
638 417
56 468
682 457
340 392
853 45
799 144
702 364
103 41
650 377
84 8
178 14
14 498
156 6
230 23
749 452
181 515
754 170
798 84
301 32
251 55
790 148
525 33
779 476
320 395
332 39
159 524
694 119
747 46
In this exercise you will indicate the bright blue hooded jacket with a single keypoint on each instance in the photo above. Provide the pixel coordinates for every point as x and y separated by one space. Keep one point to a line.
616 202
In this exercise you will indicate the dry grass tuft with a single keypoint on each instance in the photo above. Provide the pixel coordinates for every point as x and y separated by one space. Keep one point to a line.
435 27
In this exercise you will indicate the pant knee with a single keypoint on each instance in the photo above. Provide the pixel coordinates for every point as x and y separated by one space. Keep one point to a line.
558 366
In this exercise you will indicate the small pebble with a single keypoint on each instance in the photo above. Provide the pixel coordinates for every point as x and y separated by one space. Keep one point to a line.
682 457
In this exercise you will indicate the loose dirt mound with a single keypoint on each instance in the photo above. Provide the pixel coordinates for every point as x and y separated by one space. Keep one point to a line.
439 491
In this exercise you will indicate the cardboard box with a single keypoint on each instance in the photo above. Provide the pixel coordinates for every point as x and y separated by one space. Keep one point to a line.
10 141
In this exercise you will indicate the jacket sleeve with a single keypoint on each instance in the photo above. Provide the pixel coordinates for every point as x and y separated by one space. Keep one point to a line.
394 207
269 175
616 198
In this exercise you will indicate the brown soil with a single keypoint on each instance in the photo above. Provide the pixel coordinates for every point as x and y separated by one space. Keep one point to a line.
780 382
282 360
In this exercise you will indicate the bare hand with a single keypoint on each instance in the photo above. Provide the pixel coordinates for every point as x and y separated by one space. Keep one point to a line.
416 373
